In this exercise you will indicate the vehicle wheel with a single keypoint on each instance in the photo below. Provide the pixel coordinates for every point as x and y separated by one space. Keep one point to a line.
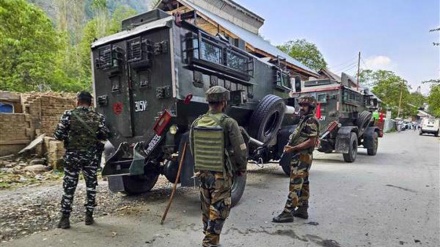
420 133
436 133
373 151
238 186
352 149
363 121
266 120
139 184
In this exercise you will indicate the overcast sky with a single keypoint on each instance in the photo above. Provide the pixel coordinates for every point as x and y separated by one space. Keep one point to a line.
390 34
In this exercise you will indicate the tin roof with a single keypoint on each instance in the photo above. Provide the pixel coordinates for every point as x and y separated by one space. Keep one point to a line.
249 37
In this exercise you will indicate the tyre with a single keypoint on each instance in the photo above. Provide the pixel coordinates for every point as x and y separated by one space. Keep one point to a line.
266 120
373 151
352 149
238 186
436 133
363 121
420 133
139 184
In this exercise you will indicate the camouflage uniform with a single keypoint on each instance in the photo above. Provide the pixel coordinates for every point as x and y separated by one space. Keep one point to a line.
215 187
299 188
82 131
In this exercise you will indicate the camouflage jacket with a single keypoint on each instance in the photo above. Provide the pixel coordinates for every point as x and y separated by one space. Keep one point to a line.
308 127
234 142
84 138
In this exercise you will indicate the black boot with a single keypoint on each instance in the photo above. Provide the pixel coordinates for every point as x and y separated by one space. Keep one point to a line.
64 221
284 217
301 212
89 218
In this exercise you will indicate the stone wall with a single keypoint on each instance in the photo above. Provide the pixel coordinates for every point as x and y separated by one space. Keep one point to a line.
41 113
14 132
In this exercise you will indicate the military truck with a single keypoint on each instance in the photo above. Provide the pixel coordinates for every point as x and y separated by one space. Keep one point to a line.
344 111
150 81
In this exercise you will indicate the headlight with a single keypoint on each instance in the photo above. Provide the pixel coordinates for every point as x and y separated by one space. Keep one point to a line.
173 129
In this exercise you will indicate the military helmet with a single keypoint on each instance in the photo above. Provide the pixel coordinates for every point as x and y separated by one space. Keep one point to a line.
217 94
307 100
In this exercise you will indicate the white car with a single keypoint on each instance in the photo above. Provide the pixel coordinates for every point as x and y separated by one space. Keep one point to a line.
430 125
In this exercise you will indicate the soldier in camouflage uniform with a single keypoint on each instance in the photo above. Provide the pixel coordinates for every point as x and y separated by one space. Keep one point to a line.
83 131
214 164
301 143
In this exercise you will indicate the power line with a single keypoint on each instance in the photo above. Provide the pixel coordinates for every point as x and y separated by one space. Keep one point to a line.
342 64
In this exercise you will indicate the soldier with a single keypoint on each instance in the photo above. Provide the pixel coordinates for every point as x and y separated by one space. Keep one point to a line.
219 151
301 145
83 131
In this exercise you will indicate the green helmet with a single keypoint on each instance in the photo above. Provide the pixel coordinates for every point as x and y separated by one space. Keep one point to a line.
307 100
217 94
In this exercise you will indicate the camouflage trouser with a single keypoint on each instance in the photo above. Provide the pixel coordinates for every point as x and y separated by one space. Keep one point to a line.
74 162
215 195
299 187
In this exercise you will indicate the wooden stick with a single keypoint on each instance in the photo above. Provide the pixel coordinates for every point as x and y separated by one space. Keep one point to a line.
175 184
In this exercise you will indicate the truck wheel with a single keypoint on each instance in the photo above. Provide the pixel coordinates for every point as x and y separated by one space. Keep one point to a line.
139 184
352 149
266 120
363 121
238 186
373 151
420 133
436 134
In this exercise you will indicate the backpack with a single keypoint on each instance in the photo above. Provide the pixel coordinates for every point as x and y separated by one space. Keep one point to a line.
209 143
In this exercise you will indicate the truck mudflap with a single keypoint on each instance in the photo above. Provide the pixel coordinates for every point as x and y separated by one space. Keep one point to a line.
342 144
130 159
369 137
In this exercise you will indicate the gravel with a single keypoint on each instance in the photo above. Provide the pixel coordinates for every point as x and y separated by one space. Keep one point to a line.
32 209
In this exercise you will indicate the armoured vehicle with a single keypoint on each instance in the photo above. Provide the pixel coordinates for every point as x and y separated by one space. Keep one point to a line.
150 82
344 111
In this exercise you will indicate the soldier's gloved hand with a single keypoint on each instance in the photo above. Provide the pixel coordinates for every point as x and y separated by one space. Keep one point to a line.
240 173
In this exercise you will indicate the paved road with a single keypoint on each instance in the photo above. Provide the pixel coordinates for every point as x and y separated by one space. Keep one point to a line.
391 199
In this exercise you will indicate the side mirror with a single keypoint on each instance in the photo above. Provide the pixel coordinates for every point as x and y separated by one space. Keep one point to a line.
297 84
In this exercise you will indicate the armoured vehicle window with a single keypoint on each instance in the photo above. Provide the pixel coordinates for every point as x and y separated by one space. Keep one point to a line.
322 98
283 80
210 52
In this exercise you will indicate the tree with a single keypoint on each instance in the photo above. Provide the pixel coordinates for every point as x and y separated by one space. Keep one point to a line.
305 52
434 100
28 45
388 87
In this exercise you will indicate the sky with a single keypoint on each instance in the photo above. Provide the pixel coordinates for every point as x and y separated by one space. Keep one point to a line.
390 34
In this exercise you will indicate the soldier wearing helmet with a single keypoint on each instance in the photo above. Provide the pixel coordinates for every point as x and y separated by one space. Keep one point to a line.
301 144
82 131
219 152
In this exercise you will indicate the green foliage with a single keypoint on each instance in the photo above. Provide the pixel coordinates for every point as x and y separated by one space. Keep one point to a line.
388 86
28 47
40 54
434 100
305 52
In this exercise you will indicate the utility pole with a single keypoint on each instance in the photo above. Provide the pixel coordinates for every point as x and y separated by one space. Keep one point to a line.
359 70
400 100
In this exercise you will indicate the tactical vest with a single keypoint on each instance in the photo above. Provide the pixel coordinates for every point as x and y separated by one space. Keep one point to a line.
298 135
84 125
209 143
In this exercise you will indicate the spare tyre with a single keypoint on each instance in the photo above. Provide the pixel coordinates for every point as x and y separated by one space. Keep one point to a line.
363 121
267 117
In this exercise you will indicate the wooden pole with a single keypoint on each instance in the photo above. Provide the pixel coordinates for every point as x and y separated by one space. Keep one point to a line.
175 184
